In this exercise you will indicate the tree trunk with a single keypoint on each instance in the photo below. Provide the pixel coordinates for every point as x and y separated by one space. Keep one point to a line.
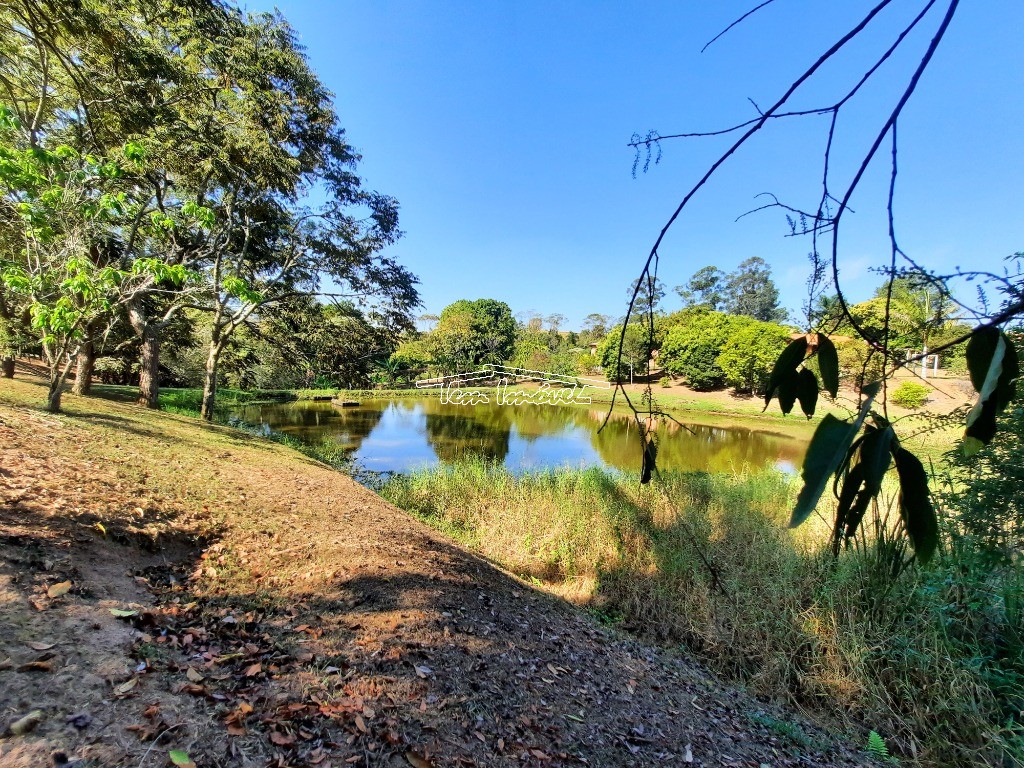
58 376
86 361
210 381
7 367
53 396
149 375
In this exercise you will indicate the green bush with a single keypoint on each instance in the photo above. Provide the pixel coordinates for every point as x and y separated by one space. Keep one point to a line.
665 381
692 347
749 354
910 394
856 363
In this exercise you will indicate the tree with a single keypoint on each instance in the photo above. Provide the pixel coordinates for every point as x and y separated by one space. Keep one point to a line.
636 352
68 209
705 289
96 77
912 313
692 347
749 353
648 294
750 291
595 325
284 254
555 321
472 333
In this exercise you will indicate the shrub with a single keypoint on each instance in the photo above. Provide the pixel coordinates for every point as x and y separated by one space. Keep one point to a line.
856 364
749 354
910 394
665 381
692 347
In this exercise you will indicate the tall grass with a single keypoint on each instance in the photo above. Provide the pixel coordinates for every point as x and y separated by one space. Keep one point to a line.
781 615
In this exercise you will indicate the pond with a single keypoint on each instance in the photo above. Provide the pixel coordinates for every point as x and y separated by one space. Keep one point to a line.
402 434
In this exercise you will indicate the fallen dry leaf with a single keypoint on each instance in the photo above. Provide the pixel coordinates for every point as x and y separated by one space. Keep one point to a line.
59 590
423 671
124 687
27 723
36 666
255 669
418 762
36 646
281 739
360 723
193 675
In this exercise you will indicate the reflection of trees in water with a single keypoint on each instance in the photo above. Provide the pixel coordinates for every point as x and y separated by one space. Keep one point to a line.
534 421
707 449
314 422
482 432
456 431
353 425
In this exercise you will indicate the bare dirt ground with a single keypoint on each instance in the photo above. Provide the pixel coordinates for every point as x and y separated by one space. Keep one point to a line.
270 611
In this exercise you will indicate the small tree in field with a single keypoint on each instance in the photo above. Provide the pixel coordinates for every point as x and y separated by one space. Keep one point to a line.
69 212
749 354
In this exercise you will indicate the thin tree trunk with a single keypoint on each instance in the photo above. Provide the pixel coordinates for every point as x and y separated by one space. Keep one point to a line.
86 361
210 380
7 367
58 376
149 374
53 396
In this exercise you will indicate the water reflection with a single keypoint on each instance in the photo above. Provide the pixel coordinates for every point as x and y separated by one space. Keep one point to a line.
401 434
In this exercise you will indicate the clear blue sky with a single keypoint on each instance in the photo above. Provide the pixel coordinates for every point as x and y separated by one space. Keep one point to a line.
501 127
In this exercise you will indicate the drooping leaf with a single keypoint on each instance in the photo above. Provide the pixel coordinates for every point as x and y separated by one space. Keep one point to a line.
650 455
785 364
994 368
807 391
981 425
828 364
916 506
875 455
981 348
874 458
788 390
825 454
852 484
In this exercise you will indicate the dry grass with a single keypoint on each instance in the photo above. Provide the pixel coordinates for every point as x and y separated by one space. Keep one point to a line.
831 636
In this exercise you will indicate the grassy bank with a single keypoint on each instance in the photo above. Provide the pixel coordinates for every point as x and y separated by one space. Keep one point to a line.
831 636
270 607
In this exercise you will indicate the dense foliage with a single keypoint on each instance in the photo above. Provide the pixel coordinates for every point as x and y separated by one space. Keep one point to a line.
156 160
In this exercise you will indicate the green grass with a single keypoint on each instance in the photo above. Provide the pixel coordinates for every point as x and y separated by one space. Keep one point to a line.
831 636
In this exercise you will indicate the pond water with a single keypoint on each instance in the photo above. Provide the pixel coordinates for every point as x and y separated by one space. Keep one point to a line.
402 434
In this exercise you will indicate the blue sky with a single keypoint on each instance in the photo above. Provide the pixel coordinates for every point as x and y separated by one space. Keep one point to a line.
501 128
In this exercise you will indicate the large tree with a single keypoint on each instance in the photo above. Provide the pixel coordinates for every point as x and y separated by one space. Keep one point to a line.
648 295
750 290
471 333
705 288
234 131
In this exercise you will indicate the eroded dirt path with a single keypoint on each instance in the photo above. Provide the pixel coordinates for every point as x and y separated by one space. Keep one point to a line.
284 615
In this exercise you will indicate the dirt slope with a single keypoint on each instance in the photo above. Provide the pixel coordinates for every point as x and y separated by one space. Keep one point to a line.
286 616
